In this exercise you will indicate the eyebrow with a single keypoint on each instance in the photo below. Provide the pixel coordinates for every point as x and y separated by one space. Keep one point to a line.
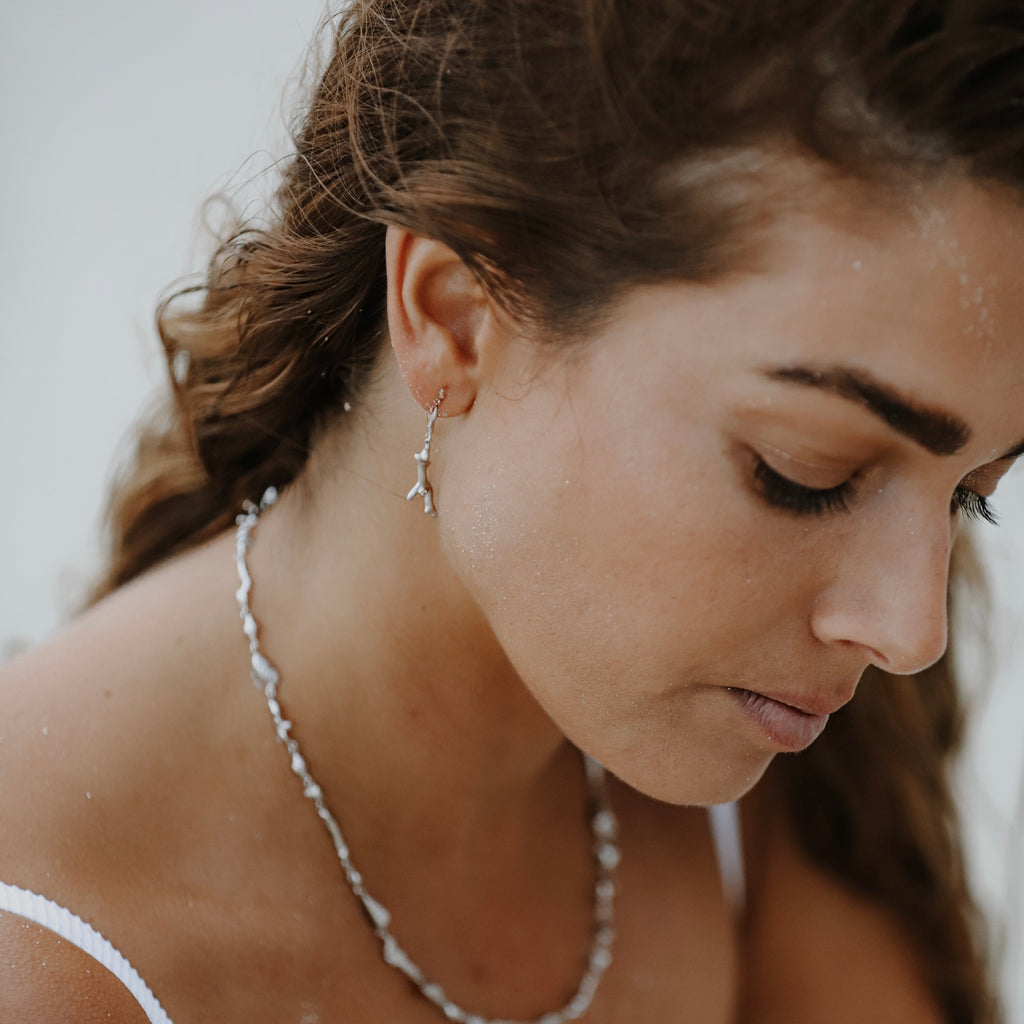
935 430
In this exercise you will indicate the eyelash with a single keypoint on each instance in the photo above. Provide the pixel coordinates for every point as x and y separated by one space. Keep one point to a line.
973 506
783 493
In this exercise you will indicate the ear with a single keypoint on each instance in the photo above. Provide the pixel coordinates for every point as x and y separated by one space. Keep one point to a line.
437 311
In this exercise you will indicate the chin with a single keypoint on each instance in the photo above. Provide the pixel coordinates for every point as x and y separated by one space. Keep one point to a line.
709 781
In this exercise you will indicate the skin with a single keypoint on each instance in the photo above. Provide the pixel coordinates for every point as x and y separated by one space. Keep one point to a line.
714 589
604 567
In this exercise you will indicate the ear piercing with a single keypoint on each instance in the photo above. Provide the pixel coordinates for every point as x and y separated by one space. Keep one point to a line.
422 458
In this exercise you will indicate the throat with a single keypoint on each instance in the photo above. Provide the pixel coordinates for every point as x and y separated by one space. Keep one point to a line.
603 826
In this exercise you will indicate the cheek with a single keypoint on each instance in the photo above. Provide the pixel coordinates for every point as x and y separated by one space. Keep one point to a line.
610 564
513 533
629 577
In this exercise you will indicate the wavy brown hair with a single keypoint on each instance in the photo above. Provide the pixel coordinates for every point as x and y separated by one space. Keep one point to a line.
568 150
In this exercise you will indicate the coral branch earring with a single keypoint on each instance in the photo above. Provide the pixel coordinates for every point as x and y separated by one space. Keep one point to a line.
422 457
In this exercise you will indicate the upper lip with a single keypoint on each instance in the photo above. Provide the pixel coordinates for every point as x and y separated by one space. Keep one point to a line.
818 705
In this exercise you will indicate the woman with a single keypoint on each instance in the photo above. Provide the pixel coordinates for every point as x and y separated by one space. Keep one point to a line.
702 320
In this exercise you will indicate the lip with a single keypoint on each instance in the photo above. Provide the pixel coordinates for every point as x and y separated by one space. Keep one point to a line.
788 726
815 705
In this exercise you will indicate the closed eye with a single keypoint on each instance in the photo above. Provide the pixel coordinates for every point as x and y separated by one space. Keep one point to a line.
782 493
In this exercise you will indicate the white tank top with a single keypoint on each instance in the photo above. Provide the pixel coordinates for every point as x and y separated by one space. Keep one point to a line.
725 831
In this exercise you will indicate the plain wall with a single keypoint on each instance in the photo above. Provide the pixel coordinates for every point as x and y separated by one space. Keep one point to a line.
118 119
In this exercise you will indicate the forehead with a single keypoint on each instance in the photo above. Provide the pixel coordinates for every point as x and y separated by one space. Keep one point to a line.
926 294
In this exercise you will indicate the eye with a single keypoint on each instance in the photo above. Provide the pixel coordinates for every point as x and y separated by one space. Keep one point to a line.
782 493
972 505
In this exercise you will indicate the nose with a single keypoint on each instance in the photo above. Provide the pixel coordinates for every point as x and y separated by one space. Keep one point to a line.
888 596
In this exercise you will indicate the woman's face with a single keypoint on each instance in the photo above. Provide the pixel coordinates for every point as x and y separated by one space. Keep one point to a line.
693 534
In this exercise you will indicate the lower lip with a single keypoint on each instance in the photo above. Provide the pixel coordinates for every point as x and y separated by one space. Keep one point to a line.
786 726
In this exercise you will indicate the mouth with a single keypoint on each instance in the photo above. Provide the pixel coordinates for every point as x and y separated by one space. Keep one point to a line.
789 727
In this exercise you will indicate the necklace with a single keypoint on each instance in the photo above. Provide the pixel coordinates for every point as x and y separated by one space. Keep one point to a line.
603 825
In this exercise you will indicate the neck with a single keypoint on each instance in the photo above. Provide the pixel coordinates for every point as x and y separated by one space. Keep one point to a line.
400 694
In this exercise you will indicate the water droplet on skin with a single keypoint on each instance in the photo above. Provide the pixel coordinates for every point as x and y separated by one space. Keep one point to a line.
46 730
88 795
857 264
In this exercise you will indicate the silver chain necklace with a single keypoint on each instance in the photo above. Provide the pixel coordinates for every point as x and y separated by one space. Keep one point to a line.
603 826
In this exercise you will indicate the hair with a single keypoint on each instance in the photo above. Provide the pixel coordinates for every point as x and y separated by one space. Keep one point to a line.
568 150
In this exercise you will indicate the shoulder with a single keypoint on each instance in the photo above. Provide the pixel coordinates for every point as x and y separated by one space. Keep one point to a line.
70 759
135 769
48 980
110 733
816 950
72 746
94 718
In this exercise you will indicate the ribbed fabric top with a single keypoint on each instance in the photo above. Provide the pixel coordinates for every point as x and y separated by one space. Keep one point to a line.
73 929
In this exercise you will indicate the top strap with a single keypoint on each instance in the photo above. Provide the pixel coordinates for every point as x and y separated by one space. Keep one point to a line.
725 831
72 928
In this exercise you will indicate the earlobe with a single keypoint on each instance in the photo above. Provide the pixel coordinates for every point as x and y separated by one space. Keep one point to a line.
436 312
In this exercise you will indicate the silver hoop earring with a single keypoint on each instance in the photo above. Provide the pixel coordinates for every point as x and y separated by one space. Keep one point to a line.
422 457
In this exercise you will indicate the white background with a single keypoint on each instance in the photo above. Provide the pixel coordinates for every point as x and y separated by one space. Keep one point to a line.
118 118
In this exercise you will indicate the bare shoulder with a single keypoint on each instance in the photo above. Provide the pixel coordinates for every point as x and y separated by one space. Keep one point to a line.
91 739
47 980
58 769
815 950
126 796
74 736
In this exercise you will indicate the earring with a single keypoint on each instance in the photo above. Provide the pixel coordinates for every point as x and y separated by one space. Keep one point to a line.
422 458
